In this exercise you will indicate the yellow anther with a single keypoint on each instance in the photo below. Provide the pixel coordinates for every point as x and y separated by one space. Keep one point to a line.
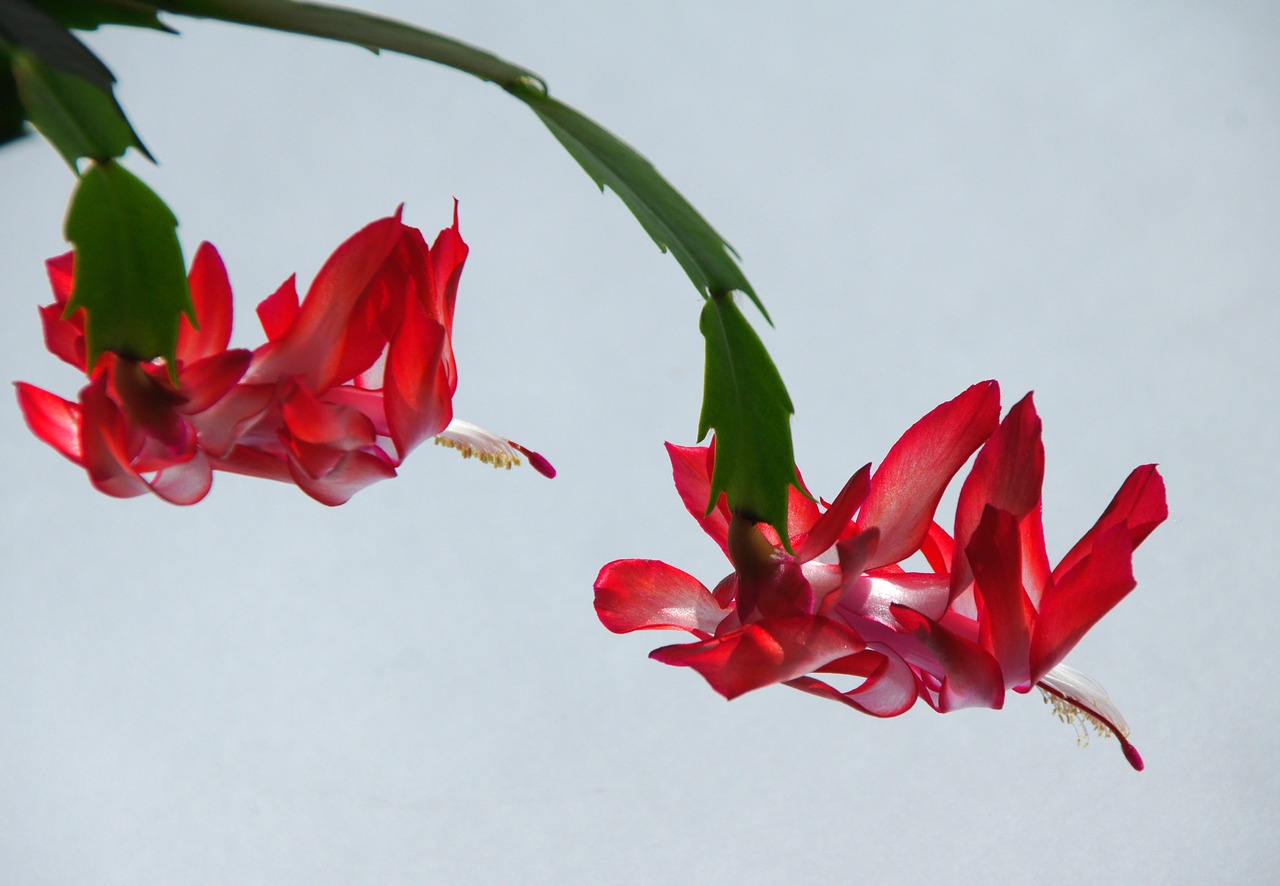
493 459
1078 718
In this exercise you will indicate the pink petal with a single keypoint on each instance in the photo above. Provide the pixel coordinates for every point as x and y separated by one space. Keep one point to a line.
211 296
1080 598
877 596
1007 474
889 690
353 472
243 409
1005 613
905 490
252 462
637 595
691 467
184 483
1139 504
369 402
854 553
52 419
772 650
970 676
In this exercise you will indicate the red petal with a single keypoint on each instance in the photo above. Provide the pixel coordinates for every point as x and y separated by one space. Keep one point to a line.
691 467
150 403
312 420
61 272
1080 598
637 595
830 525
207 381
52 419
1007 474
448 255
1005 613
938 548
1139 504
802 513
64 338
783 590
772 650
104 443
970 676
365 337
430 282
1035 557
278 310
909 483
311 347
417 396
211 295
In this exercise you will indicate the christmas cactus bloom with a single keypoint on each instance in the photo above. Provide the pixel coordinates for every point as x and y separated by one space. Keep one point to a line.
353 377
133 429
988 615
350 380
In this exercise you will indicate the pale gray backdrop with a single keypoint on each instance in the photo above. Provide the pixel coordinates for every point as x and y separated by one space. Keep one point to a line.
1080 199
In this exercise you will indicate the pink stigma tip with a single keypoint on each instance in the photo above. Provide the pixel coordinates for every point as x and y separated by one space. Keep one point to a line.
1131 754
536 461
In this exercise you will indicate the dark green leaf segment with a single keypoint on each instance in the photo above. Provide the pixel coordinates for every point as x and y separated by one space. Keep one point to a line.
668 218
52 80
130 277
77 118
746 403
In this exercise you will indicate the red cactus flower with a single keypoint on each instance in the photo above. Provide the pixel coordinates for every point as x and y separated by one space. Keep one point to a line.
350 380
978 622
132 428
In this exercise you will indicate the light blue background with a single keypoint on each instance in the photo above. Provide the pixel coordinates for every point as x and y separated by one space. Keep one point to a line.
1080 199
